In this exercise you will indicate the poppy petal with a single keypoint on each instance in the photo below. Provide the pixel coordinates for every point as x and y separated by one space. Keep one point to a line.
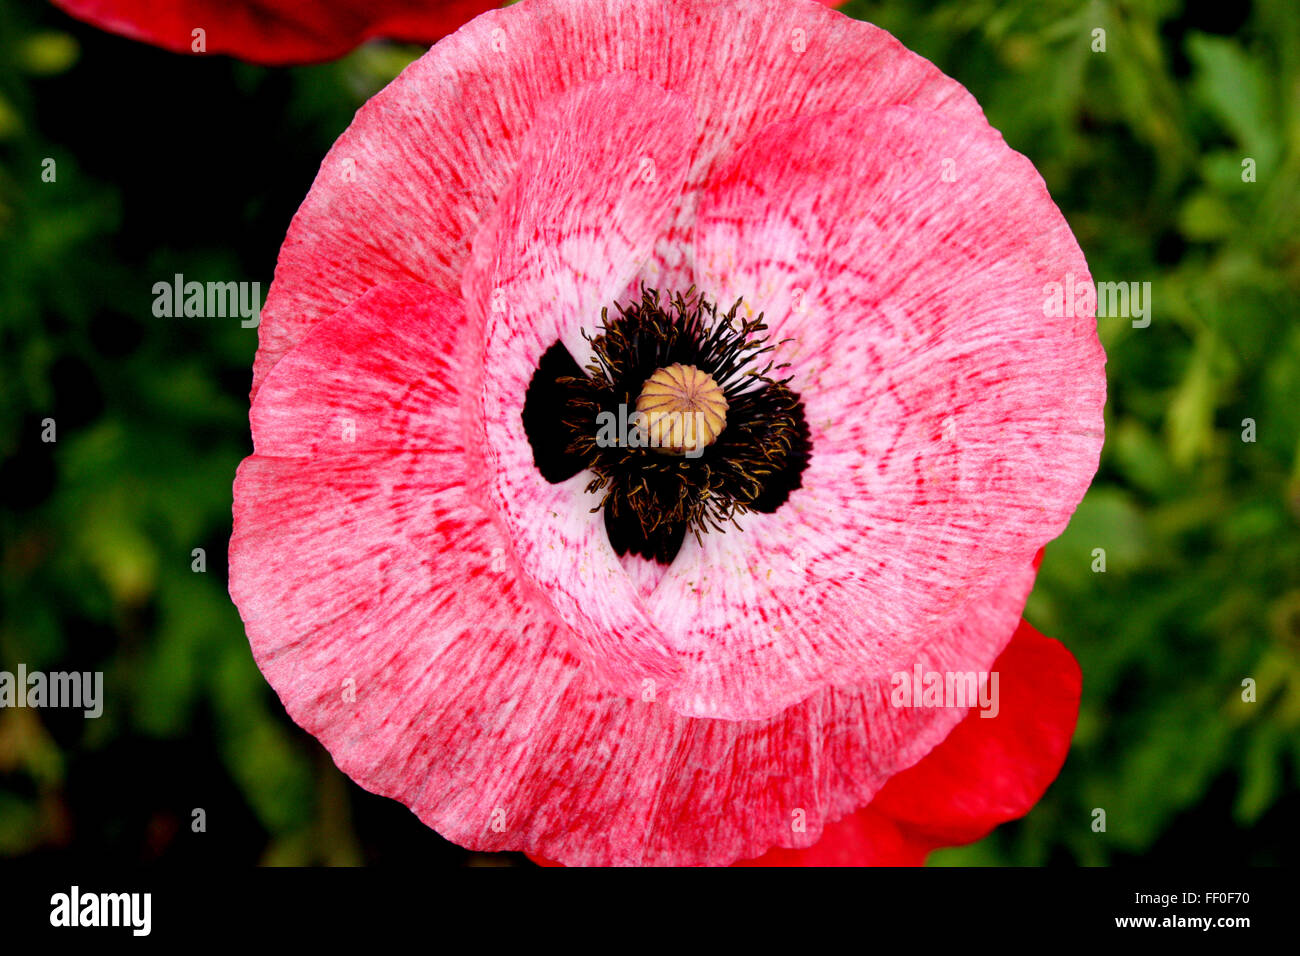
383 605
596 176
950 440
402 192
378 383
864 838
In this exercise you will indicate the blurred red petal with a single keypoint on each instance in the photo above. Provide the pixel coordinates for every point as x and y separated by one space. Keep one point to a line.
988 771
275 31
993 769
865 838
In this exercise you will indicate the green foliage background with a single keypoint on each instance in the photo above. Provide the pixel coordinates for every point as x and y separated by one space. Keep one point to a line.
171 164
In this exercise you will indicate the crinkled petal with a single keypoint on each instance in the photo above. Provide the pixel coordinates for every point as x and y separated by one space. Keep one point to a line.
952 487
373 384
403 192
954 426
598 170
382 604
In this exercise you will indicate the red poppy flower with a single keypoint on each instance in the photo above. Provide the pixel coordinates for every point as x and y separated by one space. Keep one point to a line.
275 31
542 635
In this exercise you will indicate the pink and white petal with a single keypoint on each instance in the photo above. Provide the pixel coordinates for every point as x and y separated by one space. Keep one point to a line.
597 174
383 606
404 189
753 64
954 426
379 609
992 769
377 377
749 650
843 745
374 608
368 591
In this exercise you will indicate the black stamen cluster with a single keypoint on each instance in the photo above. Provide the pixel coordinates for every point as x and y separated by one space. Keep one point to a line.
651 499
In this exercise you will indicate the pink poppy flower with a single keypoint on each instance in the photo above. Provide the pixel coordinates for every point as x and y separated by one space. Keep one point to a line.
540 635
275 31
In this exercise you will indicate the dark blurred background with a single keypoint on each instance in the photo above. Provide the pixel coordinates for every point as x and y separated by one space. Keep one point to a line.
168 164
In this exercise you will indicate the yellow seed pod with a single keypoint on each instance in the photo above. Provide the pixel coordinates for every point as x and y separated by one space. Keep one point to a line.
685 410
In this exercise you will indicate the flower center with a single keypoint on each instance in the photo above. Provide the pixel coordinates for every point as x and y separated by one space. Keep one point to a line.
677 418
685 410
